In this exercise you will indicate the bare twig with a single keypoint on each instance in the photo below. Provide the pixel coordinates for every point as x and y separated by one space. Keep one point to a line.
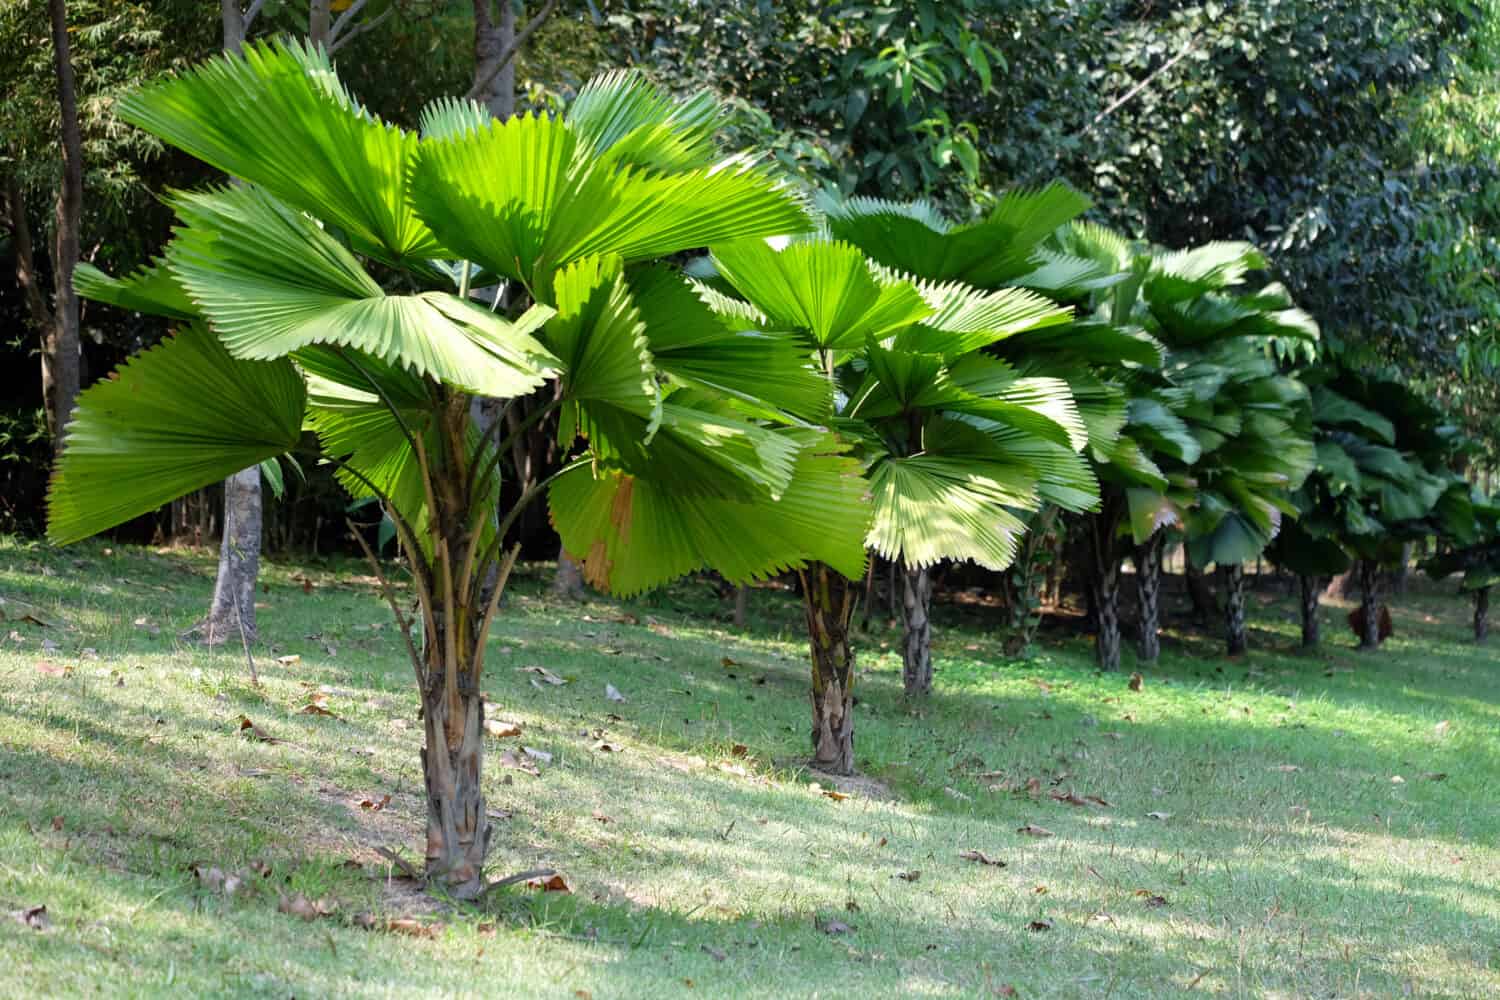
361 29
239 617
343 20
521 877
481 86
1141 86
390 598
250 13
400 862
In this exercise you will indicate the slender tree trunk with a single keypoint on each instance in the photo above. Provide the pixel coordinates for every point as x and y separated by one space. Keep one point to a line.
319 21
1311 589
567 584
458 831
1235 641
916 632
1403 570
741 605
1482 614
60 350
492 40
1369 587
1148 582
829 600
233 606
1205 607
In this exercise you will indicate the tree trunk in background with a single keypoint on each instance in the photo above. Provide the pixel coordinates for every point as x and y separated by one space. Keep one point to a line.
1148 583
1104 577
1403 571
319 21
232 611
1482 614
1369 587
568 583
829 600
1310 591
233 606
1235 641
916 631
1338 588
741 605
60 344
1205 607
492 40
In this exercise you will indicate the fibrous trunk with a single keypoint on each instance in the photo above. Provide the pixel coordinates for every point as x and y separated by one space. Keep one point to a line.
1104 586
1311 589
568 583
1481 614
1235 641
231 616
1148 583
828 597
1104 581
1369 581
916 635
458 831
1199 592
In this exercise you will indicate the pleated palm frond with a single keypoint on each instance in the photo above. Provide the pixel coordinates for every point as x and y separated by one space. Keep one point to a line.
928 508
278 117
271 281
624 119
631 534
151 289
171 420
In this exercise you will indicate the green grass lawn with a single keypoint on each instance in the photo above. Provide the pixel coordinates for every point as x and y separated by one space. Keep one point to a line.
1281 826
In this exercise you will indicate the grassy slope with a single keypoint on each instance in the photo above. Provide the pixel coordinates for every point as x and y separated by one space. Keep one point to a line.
1330 880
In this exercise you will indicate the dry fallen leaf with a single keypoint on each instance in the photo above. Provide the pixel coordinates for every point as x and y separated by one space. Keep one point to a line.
1158 815
1396 779
601 817
829 793
34 917
1039 925
51 669
604 746
254 731
717 954
1441 729
501 730
374 804
548 883
910 876
300 906
981 857
1286 768
835 927
539 755
612 693
542 673
1136 680
1435 776
727 662
315 708
739 750
1032 830
412 928
517 762
289 659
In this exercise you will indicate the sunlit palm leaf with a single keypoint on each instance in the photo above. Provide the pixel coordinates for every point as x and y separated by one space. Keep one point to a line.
823 289
171 420
928 509
272 282
632 534
278 117
150 289
623 118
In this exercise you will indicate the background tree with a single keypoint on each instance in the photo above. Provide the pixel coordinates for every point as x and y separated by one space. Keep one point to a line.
1478 559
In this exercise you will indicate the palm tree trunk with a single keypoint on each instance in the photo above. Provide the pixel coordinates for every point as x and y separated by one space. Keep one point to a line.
742 605
916 635
1104 586
567 584
1148 582
458 831
1199 592
1482 614
1369 586
828 597
1234 609
1311 590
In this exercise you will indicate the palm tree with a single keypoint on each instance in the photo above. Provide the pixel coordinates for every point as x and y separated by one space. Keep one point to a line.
1477 556
944 434
331 291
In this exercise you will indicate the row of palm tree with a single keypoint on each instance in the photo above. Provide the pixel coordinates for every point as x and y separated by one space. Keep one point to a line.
829 378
